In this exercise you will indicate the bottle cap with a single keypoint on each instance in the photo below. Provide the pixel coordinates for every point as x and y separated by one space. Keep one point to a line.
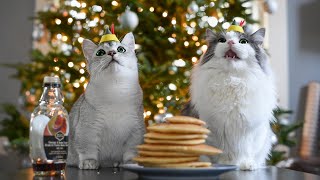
51 80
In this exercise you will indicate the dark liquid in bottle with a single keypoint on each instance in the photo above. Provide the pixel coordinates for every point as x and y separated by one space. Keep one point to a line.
49 169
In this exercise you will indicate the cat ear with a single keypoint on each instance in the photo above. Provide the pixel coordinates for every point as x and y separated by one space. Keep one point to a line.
210 35
88 48
258 36
128 40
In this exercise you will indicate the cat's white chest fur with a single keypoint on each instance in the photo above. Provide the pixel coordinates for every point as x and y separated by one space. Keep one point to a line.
241 95
237 107
112 89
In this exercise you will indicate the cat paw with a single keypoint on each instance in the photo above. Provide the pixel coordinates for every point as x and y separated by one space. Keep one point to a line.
248 165
127 157
89 164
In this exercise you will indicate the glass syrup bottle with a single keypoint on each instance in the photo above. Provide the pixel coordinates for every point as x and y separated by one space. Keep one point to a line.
49 129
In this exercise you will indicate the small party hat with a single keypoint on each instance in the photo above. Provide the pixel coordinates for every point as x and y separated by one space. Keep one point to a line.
109 35
236 27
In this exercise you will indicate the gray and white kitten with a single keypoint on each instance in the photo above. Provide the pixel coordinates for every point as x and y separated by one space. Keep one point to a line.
232 89
106 122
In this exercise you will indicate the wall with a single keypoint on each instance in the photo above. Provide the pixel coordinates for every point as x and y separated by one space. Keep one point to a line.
304 49
16 43
277 37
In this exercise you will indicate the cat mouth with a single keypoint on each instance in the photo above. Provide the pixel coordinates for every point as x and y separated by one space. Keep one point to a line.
231 55
112 61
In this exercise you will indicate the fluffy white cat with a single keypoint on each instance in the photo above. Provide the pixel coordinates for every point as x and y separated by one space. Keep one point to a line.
232 89
106 122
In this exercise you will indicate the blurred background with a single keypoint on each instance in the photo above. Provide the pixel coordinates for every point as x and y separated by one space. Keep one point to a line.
44 37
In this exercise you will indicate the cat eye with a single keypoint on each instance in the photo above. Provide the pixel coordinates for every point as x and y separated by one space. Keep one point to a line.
243 41
100 52
222 40
121 49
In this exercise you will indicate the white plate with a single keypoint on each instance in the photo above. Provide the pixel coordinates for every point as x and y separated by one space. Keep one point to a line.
149 173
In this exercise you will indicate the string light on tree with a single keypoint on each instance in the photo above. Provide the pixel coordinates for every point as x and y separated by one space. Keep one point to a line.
59 36
70 20
195 38
64 38
81 71
85 85
83 64
184 25
165 14
194 59
172 87
160 105
70 64
76 84
80 39
174 21
114 3
82 79
179 63
204 48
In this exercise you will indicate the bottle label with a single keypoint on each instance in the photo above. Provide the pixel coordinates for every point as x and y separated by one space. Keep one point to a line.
55 138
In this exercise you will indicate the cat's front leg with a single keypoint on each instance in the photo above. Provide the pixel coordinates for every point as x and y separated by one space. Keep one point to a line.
243 161
88 164
246 158
130 146
135 138
87 145
257 149
88 159
248 164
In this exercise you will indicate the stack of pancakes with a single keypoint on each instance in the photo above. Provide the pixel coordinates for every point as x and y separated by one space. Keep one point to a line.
177 143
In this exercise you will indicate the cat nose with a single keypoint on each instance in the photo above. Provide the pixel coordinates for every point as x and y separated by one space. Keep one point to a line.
111 53
230 42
